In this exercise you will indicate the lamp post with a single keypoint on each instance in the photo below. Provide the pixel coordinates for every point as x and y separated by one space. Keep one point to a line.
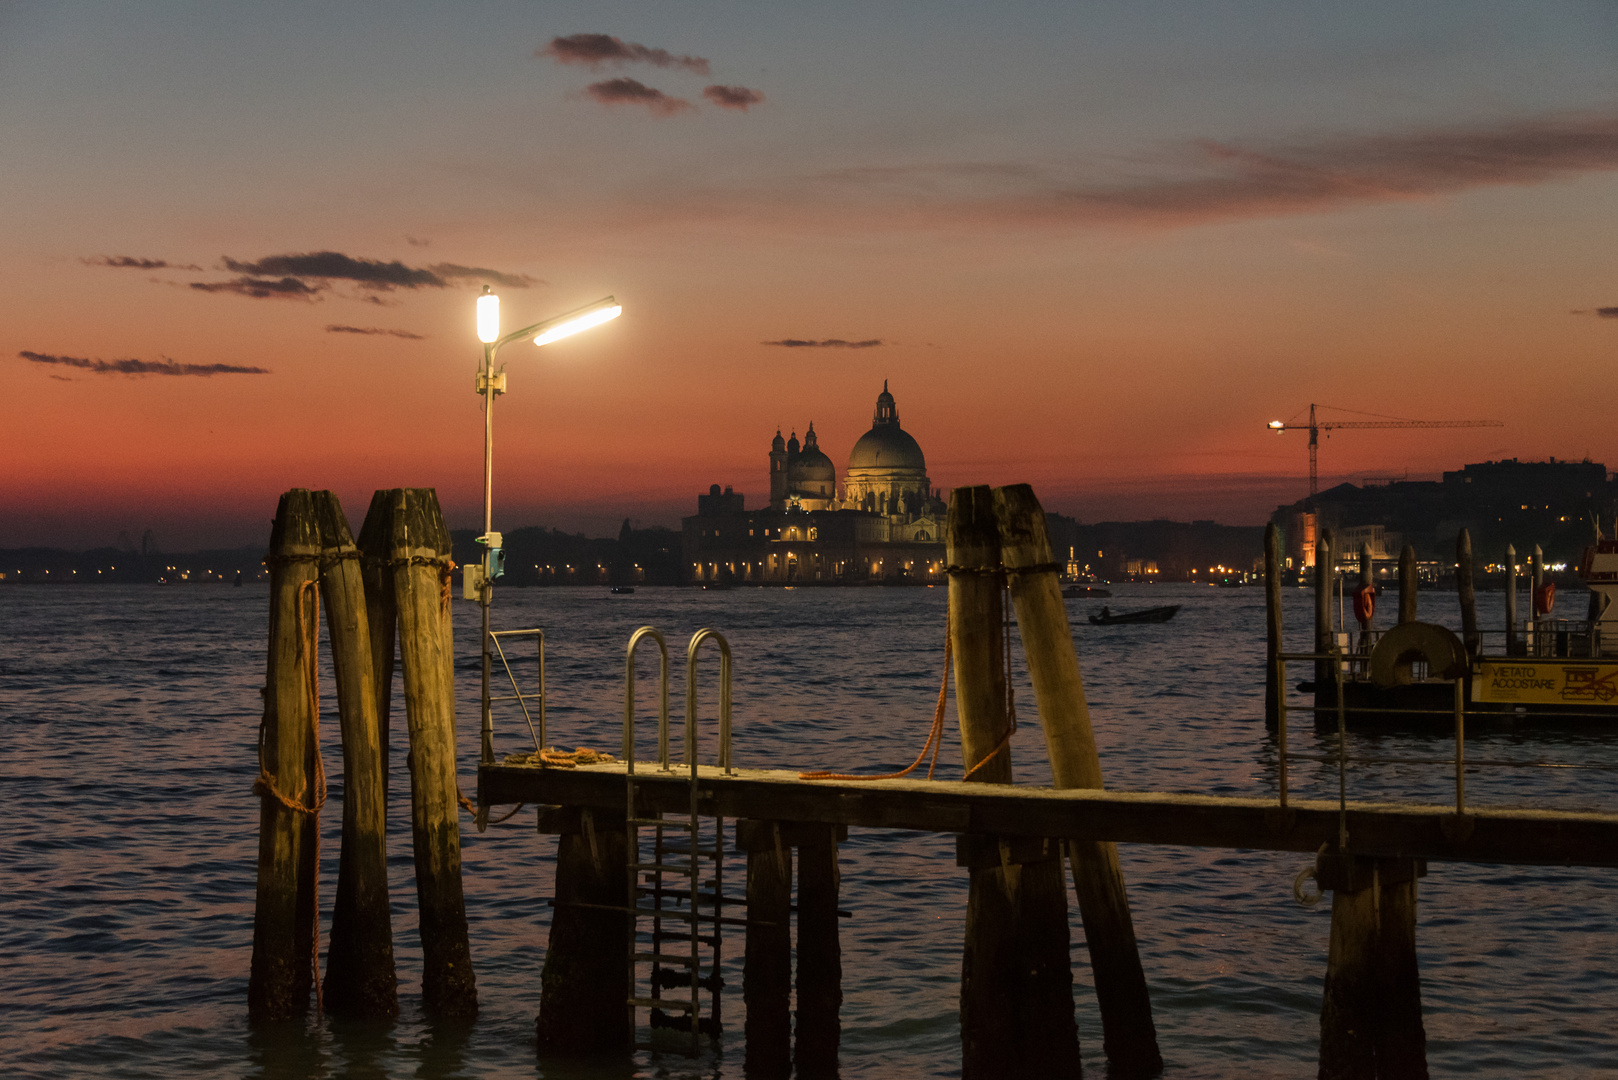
491 383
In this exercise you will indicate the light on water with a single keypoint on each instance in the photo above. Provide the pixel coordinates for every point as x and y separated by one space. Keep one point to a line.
127 725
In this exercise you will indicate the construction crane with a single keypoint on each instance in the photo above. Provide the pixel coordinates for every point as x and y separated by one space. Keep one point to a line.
1316 427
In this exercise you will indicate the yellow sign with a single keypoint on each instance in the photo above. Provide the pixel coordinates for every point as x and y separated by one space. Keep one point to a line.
1546 682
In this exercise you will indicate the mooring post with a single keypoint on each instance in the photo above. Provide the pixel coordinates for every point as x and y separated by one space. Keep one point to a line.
1536 582
1466 589
1511 601
284 914
360 979
1407 584
1016 975
1370 1013
1273 690
820 954
1128 1035
767 963
584 985
1325 579
381 610
420 554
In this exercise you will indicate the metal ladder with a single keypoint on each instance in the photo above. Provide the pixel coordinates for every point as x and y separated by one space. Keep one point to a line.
680 856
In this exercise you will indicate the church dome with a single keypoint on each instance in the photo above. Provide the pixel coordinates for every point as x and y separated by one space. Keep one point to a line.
887 445
811 465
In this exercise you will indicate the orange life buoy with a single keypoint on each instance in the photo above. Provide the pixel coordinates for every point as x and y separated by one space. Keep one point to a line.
1365 604
1545 598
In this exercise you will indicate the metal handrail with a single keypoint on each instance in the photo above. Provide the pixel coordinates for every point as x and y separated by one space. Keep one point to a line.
663 697
691 698
516 694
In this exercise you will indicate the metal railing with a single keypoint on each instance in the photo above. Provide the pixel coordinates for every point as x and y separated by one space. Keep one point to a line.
522 699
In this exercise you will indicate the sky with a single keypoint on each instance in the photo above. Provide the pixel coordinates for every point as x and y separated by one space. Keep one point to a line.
1094 247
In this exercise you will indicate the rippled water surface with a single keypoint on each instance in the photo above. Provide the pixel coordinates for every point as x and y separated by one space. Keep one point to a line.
127 724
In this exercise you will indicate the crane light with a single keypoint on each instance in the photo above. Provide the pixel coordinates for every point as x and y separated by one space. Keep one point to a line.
1277 425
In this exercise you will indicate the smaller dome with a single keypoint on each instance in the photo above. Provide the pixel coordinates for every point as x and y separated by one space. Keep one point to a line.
778 444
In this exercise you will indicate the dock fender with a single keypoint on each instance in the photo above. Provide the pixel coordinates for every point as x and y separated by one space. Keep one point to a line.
1407 642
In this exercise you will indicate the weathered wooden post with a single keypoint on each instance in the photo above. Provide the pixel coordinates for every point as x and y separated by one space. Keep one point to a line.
1273 690
767 962
1512 647
584 985
360 979
1016 976
1466 589
1370 1013
1536 583
820 954
1325 560
284 916
420 555
1128 1035
1407 585
381 608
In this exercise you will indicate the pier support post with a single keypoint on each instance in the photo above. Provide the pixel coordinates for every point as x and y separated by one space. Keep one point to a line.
584 985
420 554
360 979
820 955
1513 646
1367 581
1408 585
767 964
1016 977
284 914
1370 1013
1466 590
1128 1035
1536 582
1273 690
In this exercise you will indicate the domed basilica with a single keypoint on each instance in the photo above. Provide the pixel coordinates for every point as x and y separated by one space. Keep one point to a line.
884 525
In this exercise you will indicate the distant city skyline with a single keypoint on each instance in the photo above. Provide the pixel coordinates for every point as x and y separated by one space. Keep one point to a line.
1095 247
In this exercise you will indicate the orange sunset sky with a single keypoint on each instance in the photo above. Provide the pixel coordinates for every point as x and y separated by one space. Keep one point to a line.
1098 245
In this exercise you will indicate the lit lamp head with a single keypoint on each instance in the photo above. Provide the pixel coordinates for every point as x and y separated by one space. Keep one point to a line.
488 317
604 310
1277 426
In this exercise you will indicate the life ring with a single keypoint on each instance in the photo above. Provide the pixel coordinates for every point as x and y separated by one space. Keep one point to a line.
1406 643
1544 599
1365 604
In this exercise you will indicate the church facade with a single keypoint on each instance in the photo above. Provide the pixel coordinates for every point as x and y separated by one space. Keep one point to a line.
884 525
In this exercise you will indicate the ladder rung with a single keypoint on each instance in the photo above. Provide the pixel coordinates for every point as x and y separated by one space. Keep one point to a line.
666 958
663 1003
666 868
661 913
688 826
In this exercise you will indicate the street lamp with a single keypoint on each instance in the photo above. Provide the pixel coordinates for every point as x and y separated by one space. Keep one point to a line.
491 383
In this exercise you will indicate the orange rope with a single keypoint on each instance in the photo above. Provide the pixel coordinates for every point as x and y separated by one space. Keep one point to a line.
935 737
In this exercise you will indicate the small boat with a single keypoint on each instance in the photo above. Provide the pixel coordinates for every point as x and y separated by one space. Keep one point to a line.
1076 592
1149 615
622 590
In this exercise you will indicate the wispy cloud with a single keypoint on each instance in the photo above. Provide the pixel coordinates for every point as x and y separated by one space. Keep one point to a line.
416 241
1607 312
372 273
733 97
139 367
131 262
633 92
334 328
593 50
287 288
826 343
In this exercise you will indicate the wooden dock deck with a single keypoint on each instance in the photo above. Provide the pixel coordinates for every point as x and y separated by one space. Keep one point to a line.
1381 830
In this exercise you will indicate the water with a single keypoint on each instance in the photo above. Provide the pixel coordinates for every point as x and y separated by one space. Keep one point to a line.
127 724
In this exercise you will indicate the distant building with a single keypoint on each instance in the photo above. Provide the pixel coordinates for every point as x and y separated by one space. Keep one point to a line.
886 524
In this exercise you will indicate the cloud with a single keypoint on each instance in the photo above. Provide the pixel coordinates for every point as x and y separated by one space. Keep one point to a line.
828 343
371 273
593 50
452 272
732 97
1607 312
633 92
416 241
334 328
140 367
131 262
287 288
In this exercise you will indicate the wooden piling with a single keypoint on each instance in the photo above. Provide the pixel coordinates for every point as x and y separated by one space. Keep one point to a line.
1536 582
420 557
584 985
1129 1037
1273 690
284 915
1512 644
381 609
820 956
360 979
1466 590
1016 978
1408 585
767 962
1370 1015
1325 557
